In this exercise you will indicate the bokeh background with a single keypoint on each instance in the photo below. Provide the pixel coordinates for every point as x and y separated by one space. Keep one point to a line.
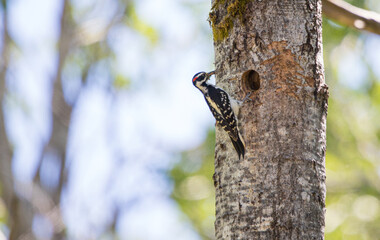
108 139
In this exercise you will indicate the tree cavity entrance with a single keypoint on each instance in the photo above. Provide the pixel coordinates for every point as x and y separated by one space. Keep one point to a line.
250 81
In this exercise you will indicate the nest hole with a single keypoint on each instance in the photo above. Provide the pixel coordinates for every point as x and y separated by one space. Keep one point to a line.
250 81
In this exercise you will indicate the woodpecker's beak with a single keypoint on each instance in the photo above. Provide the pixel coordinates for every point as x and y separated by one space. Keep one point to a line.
208 75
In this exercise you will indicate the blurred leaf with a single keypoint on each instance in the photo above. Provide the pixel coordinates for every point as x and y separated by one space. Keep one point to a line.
121 82
3 211
4 4
135 22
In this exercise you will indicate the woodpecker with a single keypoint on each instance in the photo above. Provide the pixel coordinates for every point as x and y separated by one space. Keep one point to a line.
223 107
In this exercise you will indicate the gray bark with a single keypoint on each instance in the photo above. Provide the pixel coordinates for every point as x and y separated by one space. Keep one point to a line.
278 190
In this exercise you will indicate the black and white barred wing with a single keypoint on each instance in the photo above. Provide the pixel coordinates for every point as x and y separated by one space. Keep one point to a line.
220 106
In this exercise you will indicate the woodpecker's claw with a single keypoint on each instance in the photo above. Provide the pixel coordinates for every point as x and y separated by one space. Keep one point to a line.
246 97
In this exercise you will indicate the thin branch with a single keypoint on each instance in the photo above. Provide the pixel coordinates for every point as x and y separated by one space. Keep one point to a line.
351 16
42 203
61 112
60 109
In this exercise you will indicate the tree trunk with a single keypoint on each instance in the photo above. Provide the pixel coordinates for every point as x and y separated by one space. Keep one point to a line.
274 49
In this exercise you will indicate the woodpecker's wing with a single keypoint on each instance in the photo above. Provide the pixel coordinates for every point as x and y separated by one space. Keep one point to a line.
220 106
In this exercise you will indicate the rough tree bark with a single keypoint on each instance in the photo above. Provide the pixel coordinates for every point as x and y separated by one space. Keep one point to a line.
278 190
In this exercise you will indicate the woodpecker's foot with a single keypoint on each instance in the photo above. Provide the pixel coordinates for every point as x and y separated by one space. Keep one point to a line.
247 97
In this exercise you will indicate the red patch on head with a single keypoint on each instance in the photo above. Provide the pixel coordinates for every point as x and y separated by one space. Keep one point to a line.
195 79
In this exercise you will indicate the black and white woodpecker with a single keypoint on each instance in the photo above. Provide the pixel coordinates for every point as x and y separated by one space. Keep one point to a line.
223 107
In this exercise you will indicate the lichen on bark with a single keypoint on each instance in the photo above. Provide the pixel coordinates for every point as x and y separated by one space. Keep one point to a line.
222 25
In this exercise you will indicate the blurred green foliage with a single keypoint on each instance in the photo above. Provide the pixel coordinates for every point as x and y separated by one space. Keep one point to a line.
194 190
353 142
353 147
136 23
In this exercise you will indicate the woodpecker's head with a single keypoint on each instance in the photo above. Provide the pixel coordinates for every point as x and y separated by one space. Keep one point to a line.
200 79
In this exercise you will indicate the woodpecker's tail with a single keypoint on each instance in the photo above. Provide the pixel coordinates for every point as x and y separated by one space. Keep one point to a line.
239 146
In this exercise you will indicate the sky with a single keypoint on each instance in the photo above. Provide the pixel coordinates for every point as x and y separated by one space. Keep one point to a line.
121 144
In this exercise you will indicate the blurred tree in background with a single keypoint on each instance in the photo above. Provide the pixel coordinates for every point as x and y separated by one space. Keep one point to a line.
88 127
79 47
97 105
